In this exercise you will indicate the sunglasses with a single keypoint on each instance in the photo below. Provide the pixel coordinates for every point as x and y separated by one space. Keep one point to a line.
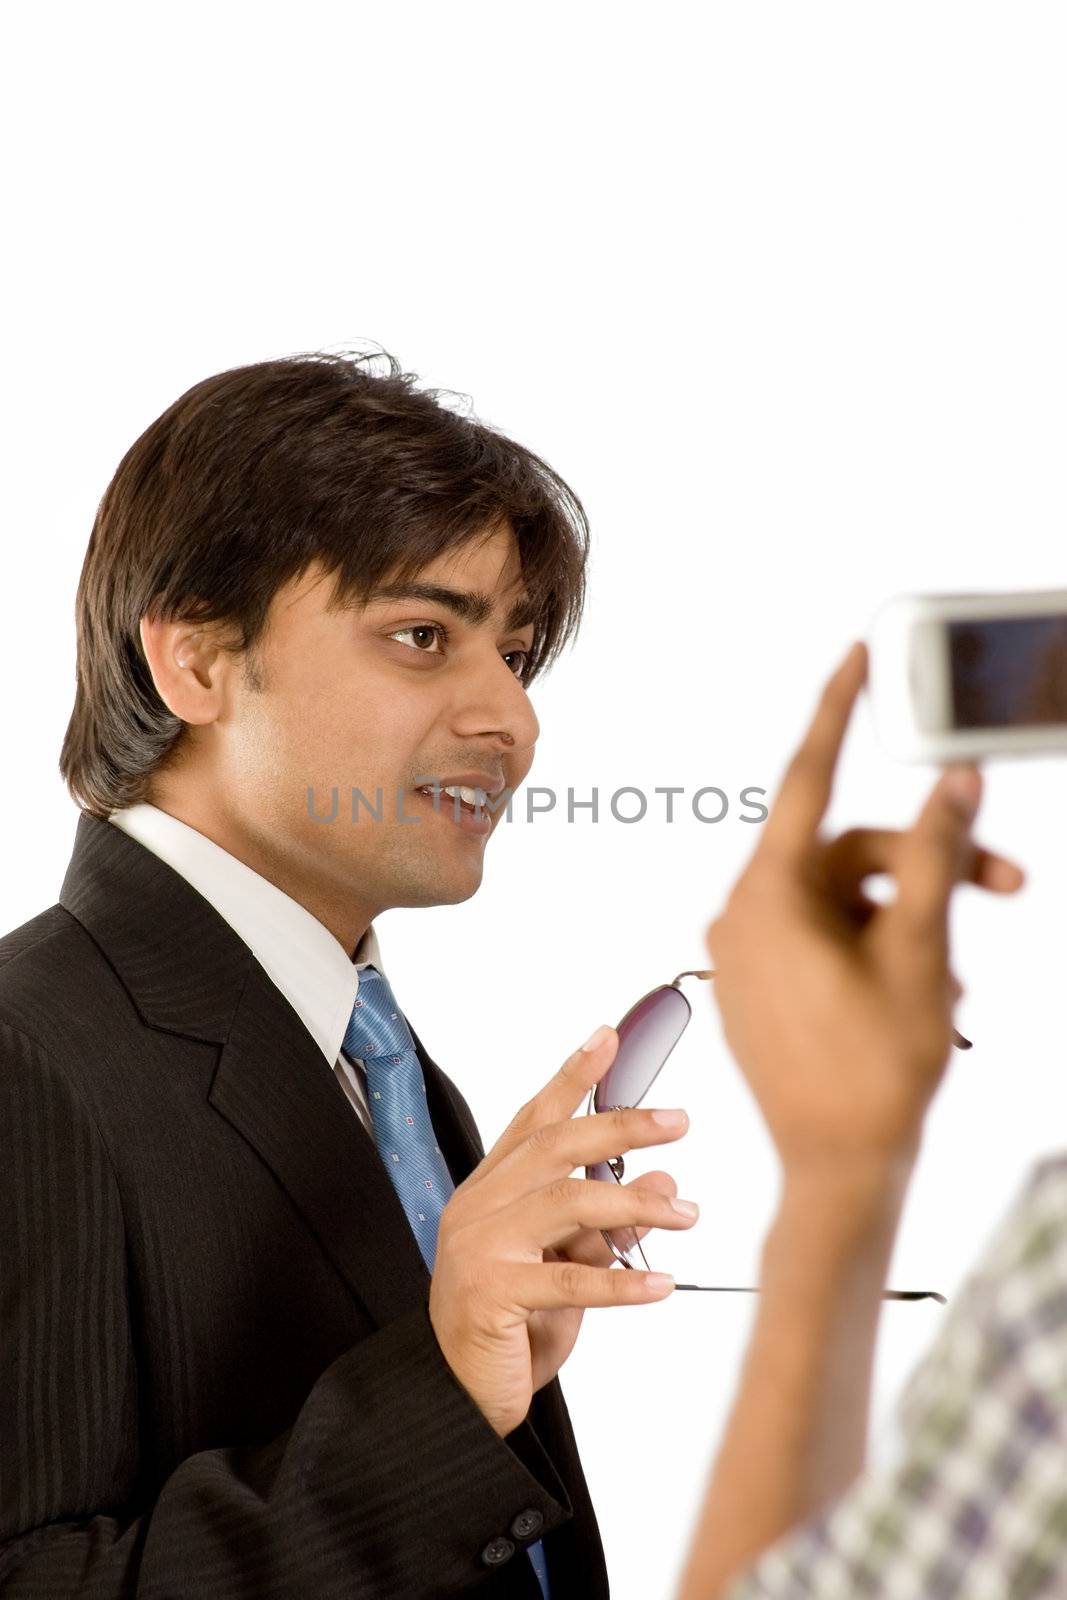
647 1034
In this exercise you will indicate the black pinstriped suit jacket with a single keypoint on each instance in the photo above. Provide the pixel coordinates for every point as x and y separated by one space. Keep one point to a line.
218 1377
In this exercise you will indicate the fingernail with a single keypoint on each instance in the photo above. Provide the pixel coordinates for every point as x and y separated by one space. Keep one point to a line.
597 1037
671 1119
659 1282
962 787
688 1208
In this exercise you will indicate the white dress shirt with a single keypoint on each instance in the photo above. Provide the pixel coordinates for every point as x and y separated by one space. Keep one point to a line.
299 954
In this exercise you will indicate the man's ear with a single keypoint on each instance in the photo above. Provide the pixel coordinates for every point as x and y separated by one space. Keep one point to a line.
190 669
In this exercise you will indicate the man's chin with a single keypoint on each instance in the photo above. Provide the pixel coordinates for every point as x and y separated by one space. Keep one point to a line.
450 890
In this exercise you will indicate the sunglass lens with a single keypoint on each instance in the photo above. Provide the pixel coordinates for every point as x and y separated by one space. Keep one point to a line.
647 1035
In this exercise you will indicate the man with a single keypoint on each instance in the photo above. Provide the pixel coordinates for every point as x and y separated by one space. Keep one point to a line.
272 1326
843 1060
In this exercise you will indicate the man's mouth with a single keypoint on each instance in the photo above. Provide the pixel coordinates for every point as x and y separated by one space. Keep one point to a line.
463 807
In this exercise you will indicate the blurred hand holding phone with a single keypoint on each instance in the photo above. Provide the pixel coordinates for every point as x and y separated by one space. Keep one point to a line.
934 679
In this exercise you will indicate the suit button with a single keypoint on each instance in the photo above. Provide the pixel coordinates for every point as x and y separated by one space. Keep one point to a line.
527 1524
497 1551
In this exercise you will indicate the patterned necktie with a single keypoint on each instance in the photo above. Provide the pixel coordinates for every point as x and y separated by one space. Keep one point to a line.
378 1035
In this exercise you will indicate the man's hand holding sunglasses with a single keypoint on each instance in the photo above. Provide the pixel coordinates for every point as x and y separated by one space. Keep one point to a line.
838 1009
520 1249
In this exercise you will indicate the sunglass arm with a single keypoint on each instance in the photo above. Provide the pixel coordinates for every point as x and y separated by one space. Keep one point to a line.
888 1294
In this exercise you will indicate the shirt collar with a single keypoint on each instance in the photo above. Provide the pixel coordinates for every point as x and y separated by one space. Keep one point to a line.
298 953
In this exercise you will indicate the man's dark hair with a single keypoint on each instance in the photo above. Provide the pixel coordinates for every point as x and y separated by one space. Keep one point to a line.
257 472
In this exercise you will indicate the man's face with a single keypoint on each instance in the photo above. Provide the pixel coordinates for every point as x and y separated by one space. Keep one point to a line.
383 697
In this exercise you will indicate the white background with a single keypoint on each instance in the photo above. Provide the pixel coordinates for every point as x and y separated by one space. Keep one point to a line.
780 290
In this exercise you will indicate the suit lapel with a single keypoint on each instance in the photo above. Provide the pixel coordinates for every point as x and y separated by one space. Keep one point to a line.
274 1086
189 973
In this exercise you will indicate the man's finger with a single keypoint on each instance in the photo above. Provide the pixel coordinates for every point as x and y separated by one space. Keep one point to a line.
557 1285
589 1246
561 1096
554 1150
557 1212
804 792
933 856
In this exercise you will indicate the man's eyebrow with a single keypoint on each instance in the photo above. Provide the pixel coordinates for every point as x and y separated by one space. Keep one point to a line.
469 604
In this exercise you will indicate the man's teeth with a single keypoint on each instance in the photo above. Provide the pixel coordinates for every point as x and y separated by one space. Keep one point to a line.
470 797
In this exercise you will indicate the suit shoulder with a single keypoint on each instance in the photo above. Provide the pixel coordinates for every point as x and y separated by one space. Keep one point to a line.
48 942
41 928
47 966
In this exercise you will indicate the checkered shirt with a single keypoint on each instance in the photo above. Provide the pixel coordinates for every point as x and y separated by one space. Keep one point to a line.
973 1505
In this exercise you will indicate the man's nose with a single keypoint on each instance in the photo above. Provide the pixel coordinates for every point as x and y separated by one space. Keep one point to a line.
493 701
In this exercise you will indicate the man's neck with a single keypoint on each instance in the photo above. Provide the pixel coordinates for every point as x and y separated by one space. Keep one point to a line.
344 918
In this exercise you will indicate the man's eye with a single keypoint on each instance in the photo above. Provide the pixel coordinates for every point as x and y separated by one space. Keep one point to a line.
433 629
424 634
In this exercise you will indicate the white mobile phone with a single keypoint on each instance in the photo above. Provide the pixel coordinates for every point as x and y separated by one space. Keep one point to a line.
962 677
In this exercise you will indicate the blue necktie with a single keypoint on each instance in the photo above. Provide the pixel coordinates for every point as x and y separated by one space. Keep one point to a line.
378 1035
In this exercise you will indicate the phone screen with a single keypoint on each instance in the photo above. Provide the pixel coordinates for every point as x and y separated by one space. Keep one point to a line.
1008 672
